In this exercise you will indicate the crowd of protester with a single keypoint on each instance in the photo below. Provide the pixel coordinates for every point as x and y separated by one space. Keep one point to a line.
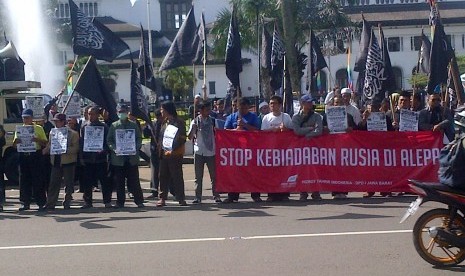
42 175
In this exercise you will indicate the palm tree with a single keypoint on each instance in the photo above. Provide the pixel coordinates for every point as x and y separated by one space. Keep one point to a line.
179 80
296 17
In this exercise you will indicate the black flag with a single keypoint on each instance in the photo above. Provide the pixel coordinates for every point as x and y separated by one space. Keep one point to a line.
315 61
360 63
277 60
439 58
145 68
139 105
424 55
181 52
266 49
374 73
364 43
200 41
389 84
90 85
92 38
233 59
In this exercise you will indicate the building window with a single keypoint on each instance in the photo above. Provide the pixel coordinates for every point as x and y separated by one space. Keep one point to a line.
398 77
88 8
341 78
62 10
415 43
63 58
173 13
463 41
211 88
451 40
394 44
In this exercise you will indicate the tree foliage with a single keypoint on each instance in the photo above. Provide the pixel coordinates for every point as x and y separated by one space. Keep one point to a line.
179 80
293 17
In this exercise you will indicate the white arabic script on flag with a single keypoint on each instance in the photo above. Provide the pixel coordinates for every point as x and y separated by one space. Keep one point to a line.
86 34
374 75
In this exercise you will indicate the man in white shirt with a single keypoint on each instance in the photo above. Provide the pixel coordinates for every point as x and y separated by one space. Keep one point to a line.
346 94
202 131
276 121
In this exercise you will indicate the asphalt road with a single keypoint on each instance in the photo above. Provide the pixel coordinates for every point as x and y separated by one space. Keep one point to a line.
331 237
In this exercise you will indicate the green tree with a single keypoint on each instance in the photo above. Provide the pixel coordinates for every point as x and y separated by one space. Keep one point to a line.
419 81
461 64
294 16
179 80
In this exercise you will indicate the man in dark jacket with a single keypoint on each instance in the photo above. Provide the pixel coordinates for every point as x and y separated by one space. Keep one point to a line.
436 117
125 136
94 159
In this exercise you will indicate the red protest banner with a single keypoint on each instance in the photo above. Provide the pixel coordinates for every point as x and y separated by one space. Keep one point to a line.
359 161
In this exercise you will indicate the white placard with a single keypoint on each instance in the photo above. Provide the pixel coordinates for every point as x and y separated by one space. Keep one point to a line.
408 120
168 137
25 134
125 142
336 117
93 138
36 103
74 107
376 121
58 140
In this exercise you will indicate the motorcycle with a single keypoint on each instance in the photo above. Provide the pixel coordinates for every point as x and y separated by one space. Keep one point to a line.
438 234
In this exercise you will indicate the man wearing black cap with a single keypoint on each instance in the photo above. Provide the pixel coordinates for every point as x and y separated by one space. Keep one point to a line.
63 165
125 166
30 175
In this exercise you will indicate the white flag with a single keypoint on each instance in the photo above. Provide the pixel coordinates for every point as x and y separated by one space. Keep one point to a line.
133 2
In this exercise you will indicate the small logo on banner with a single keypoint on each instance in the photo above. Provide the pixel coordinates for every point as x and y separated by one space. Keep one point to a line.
292 178
291 181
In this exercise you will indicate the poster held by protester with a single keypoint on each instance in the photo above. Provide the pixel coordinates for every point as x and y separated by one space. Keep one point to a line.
25 134
93 138
58 140
74 106
336 116
408 120
168 137
36 103
125 142
376 121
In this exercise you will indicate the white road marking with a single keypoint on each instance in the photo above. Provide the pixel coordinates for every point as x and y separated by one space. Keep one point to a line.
202 239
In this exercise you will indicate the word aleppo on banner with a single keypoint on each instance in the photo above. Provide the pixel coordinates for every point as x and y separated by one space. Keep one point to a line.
360 161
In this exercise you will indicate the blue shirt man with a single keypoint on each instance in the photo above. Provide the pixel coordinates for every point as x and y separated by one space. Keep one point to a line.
243 119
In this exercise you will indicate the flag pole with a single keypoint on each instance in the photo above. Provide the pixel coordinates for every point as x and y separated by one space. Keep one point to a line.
149 30
284 83
72 93
204 86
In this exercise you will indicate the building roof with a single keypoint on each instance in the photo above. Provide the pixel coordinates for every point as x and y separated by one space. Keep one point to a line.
412 14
